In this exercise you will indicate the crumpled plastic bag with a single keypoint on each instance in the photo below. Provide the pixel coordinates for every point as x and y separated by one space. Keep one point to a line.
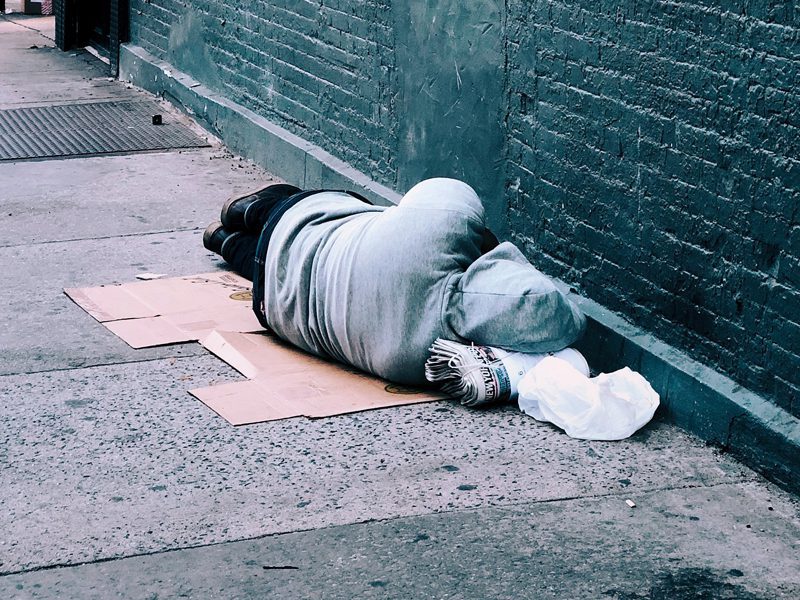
611 406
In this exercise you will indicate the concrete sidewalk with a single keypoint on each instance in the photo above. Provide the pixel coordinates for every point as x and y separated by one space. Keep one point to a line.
116 482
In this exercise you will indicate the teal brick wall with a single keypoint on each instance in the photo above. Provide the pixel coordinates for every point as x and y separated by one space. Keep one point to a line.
653 161
646 152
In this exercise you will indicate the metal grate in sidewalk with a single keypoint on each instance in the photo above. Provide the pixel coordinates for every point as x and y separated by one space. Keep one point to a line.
96 128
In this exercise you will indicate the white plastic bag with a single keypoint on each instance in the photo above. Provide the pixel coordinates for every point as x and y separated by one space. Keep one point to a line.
607 407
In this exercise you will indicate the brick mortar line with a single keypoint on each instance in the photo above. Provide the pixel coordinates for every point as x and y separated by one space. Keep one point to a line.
745 20
712 10
344 68
659 174
350 69
604 42
650 112
313 41
744 114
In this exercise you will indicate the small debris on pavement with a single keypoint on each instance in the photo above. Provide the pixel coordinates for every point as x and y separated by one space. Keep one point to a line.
630 503
157 120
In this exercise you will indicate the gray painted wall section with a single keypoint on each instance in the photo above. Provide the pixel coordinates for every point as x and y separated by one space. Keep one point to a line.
449 58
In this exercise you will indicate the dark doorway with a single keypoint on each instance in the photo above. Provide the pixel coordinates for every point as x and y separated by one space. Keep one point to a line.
94 25
101 24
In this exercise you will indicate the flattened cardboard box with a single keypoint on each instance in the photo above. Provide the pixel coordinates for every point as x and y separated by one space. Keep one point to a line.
215 308
286 382
173 310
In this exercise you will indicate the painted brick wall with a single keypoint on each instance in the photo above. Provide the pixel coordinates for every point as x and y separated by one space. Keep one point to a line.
321 69
654 163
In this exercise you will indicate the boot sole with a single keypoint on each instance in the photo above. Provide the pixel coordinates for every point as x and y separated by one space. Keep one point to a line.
209 233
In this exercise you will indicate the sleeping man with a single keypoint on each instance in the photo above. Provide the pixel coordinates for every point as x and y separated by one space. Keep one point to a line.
375 287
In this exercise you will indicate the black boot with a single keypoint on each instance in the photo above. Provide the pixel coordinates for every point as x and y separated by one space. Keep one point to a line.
249 211
214 236
237 248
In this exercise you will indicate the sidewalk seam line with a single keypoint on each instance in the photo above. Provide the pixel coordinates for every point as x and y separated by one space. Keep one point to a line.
103 237
504 508
111 364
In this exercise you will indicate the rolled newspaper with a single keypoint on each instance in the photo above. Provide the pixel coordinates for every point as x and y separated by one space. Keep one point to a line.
478 375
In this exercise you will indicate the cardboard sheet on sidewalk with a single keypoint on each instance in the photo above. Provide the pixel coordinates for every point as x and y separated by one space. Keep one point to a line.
172 310
215 309
286 382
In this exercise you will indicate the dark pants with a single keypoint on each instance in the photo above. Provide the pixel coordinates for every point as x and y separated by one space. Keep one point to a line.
240 253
